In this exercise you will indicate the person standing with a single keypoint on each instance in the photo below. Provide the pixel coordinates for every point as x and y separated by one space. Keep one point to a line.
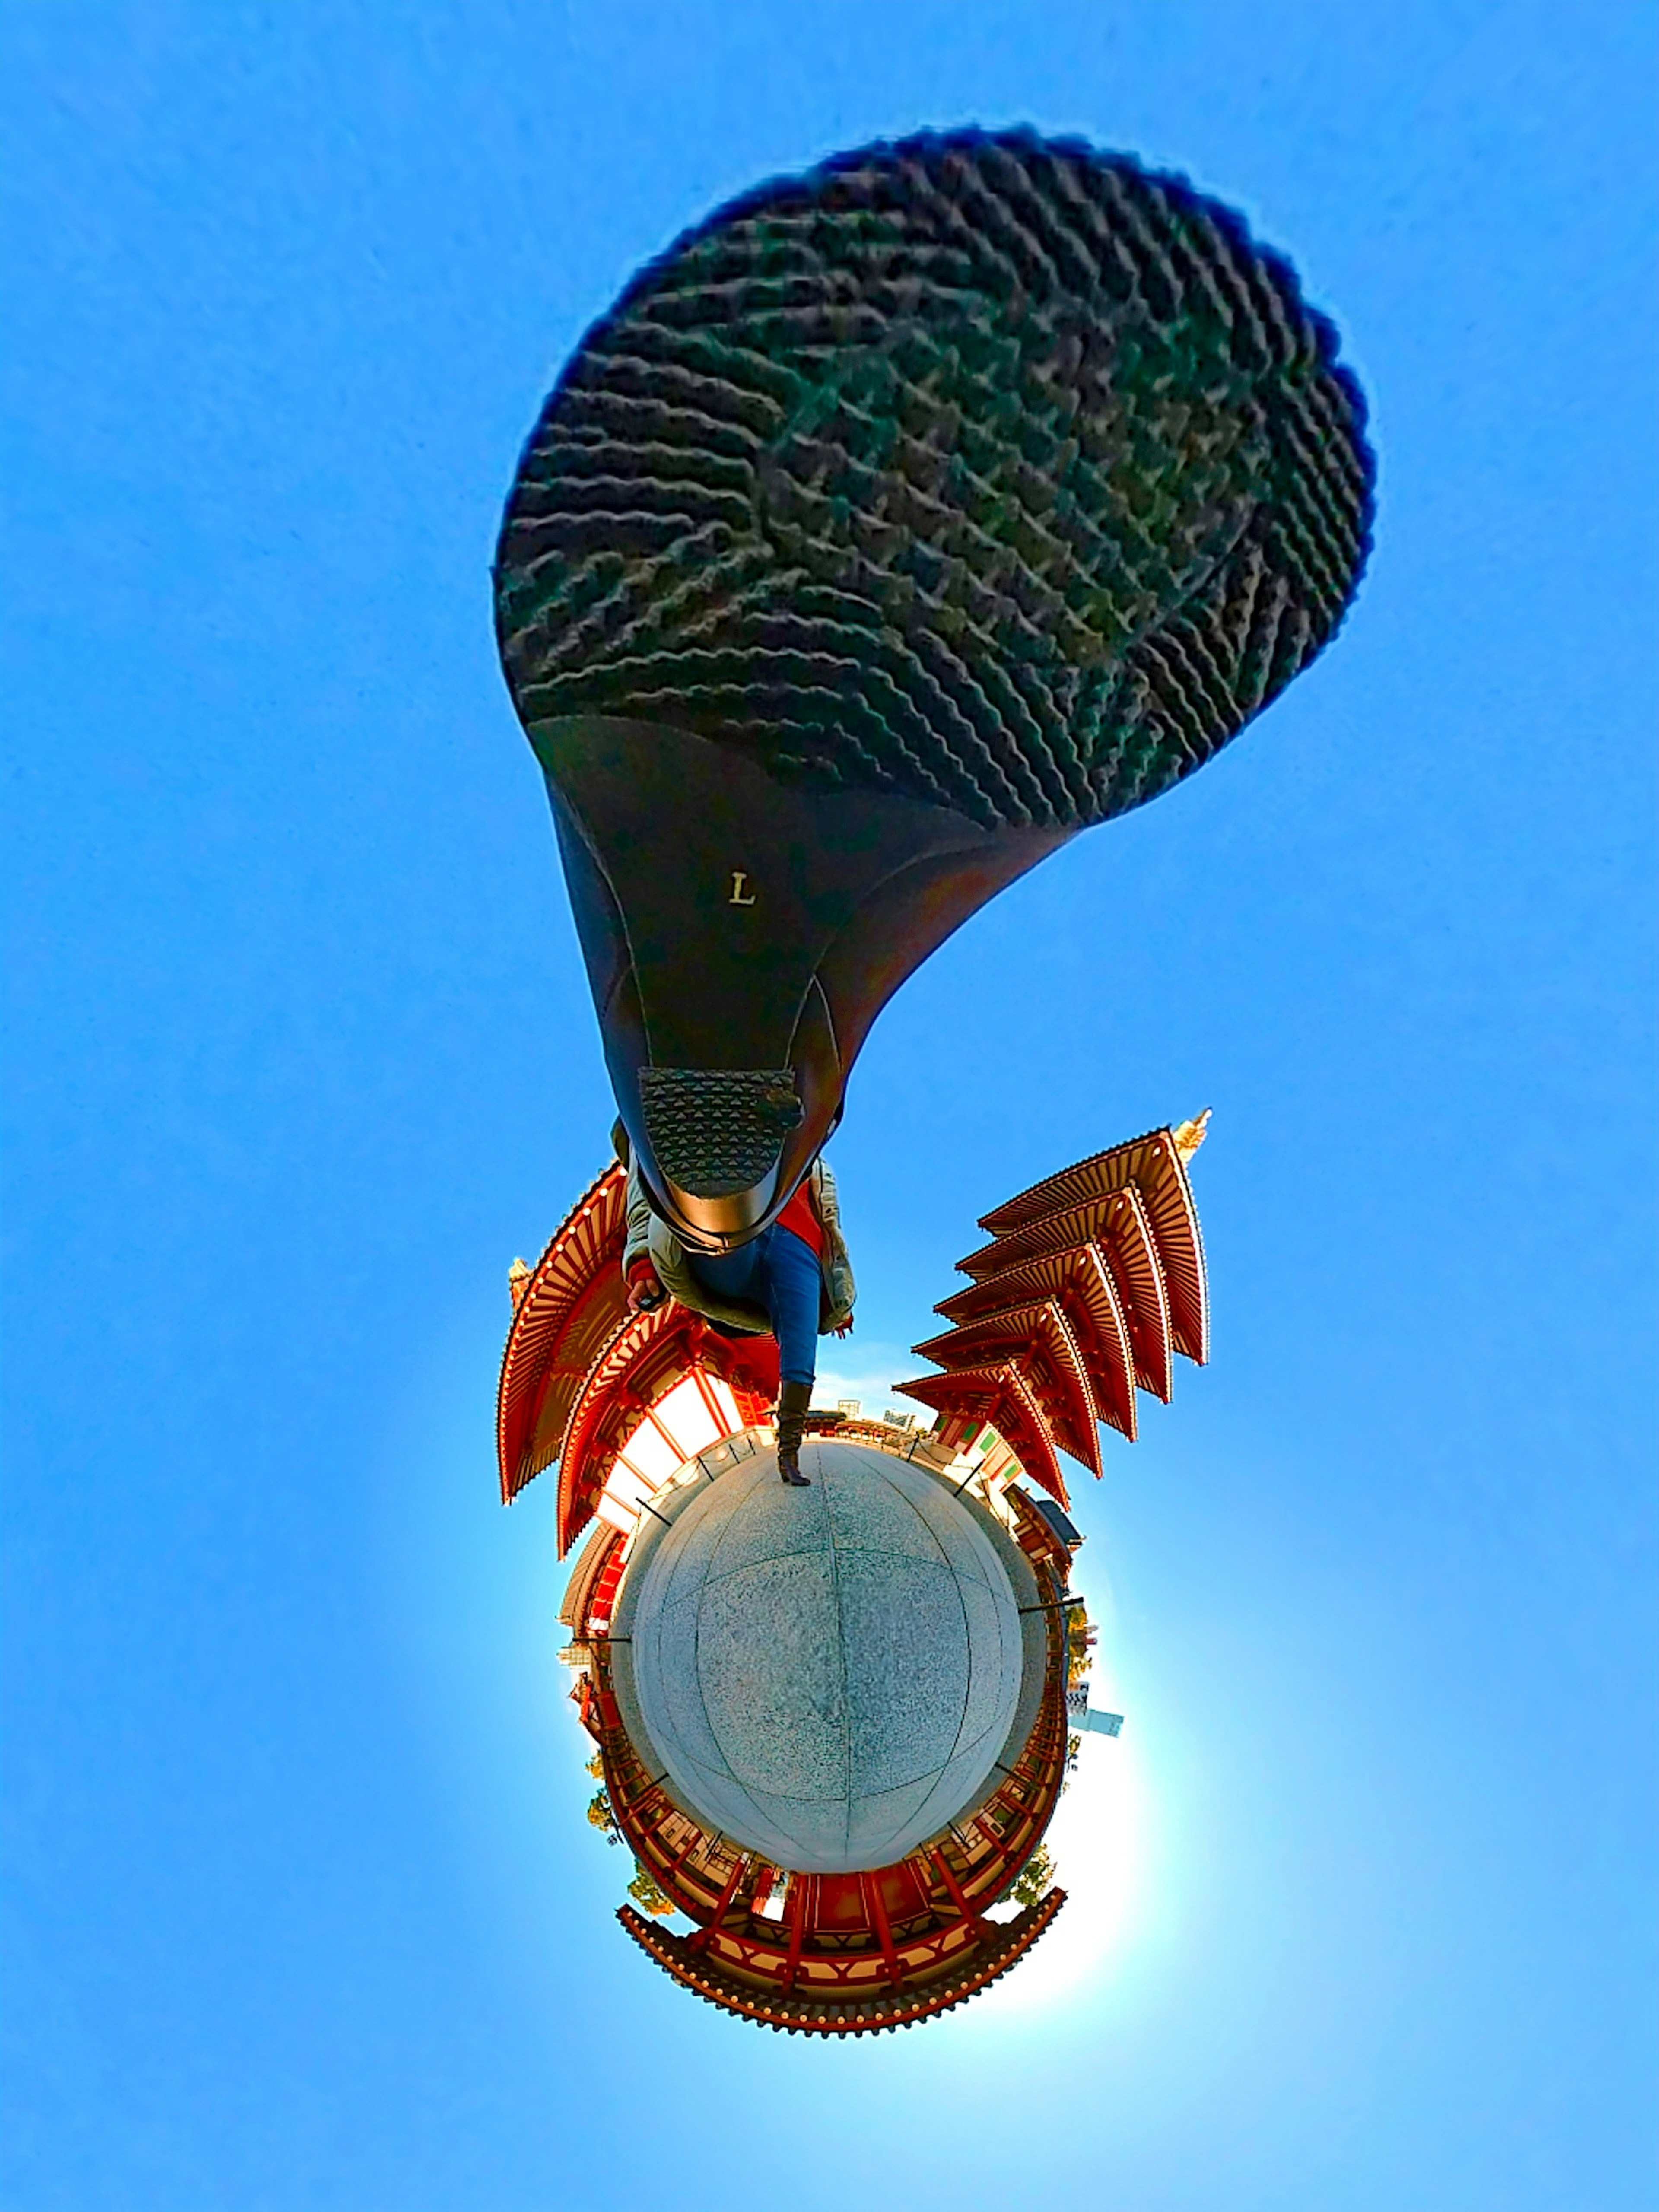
794 1281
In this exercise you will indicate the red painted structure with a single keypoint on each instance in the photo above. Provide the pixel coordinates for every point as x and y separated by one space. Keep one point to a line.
1094 1280
848 1953
580 1373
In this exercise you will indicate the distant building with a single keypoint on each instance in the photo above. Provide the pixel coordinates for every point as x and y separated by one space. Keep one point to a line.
1083 1721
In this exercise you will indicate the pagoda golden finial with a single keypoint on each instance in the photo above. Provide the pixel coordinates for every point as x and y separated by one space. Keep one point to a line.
1190 1135
517 1276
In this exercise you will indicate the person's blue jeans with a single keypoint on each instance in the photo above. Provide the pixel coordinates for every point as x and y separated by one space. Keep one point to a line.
779 1271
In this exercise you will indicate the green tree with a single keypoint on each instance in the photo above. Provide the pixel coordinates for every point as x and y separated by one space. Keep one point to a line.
601 1816
644 1891
1035 1879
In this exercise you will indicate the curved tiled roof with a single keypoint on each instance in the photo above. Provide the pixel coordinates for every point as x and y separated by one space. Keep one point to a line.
806 2012
1093 1282
565 1316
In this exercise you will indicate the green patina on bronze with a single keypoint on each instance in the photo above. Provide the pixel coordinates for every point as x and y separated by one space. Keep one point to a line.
993 472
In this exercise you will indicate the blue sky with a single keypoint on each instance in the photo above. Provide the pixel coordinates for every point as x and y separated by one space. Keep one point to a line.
299 1906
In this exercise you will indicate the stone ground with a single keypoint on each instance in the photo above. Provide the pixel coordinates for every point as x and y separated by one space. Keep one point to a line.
828 1673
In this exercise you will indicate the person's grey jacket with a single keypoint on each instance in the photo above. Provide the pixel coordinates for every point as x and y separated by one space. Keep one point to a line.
649 1235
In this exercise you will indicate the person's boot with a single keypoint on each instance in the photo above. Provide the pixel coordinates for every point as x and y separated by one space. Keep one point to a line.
1180 483
793 1399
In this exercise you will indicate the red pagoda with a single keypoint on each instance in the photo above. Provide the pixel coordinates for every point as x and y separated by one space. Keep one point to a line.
844 1865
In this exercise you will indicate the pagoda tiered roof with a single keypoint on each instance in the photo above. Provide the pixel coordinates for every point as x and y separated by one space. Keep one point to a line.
1093 1282
581 1375
565 1316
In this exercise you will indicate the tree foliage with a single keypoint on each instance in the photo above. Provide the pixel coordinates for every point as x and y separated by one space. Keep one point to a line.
1034 1877
646 1894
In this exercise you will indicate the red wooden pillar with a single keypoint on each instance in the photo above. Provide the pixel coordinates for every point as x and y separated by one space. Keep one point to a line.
684 1853
798 1902
700 1941
876 1905
975 1920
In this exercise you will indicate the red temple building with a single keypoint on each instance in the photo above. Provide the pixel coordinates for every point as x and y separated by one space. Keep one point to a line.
743 1806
